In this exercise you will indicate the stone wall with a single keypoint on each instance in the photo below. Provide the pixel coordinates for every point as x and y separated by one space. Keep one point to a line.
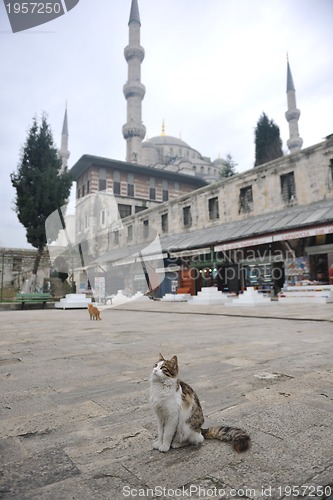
16 267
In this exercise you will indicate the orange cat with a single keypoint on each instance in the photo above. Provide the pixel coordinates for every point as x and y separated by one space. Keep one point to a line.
93 312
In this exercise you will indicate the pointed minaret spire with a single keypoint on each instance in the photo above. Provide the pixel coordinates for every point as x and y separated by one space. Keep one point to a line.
134 15
134 131
290 81
292 115
63 151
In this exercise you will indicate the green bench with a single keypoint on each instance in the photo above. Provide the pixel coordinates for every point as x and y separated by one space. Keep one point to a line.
33 297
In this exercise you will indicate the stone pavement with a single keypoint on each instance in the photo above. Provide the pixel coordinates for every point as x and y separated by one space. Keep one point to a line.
75 417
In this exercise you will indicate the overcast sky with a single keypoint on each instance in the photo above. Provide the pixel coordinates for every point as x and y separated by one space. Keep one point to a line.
211 68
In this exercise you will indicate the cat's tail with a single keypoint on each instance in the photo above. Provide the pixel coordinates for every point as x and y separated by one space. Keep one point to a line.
239 439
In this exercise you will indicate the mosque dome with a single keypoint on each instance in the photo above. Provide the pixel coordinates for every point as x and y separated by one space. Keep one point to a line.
166 140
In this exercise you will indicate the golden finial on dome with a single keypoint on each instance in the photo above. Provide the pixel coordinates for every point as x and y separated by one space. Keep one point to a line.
163 127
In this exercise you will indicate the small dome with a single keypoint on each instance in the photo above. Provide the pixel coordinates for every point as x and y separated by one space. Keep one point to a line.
219 161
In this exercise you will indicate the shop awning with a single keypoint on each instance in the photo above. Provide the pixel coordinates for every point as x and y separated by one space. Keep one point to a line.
280 236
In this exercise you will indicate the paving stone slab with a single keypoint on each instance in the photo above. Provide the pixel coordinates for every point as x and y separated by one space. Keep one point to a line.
37 471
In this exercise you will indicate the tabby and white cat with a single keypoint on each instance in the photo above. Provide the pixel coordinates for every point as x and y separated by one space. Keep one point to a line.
179 413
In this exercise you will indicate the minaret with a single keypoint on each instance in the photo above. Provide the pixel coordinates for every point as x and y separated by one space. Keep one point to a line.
292 115
134 131
63 151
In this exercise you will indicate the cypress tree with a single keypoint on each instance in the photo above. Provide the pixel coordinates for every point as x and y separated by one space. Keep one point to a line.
268 144
41 186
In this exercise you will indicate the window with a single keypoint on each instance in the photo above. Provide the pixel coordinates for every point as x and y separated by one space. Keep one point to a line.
187 218
116 187
288 188
103 217
116 237
102 179
124 210
213 208
165 192
88 187
152 189
130 190
79 193
83 190
130 185
146 228
245 200
129 233
165 195
164 223
331 172
116 182
139 209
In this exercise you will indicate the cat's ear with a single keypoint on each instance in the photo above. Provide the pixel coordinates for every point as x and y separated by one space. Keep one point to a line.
160 357
174 361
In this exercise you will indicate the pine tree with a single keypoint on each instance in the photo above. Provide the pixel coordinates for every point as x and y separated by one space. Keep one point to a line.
267 141
41 187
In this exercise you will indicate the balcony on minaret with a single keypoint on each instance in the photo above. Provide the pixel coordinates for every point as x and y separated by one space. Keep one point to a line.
134 130
292 114
132 89
294 144
134 52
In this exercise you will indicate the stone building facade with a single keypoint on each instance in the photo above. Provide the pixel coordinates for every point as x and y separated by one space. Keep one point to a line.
266 216
108 191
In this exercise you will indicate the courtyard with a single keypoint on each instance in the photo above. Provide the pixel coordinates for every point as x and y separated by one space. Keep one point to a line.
75 416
